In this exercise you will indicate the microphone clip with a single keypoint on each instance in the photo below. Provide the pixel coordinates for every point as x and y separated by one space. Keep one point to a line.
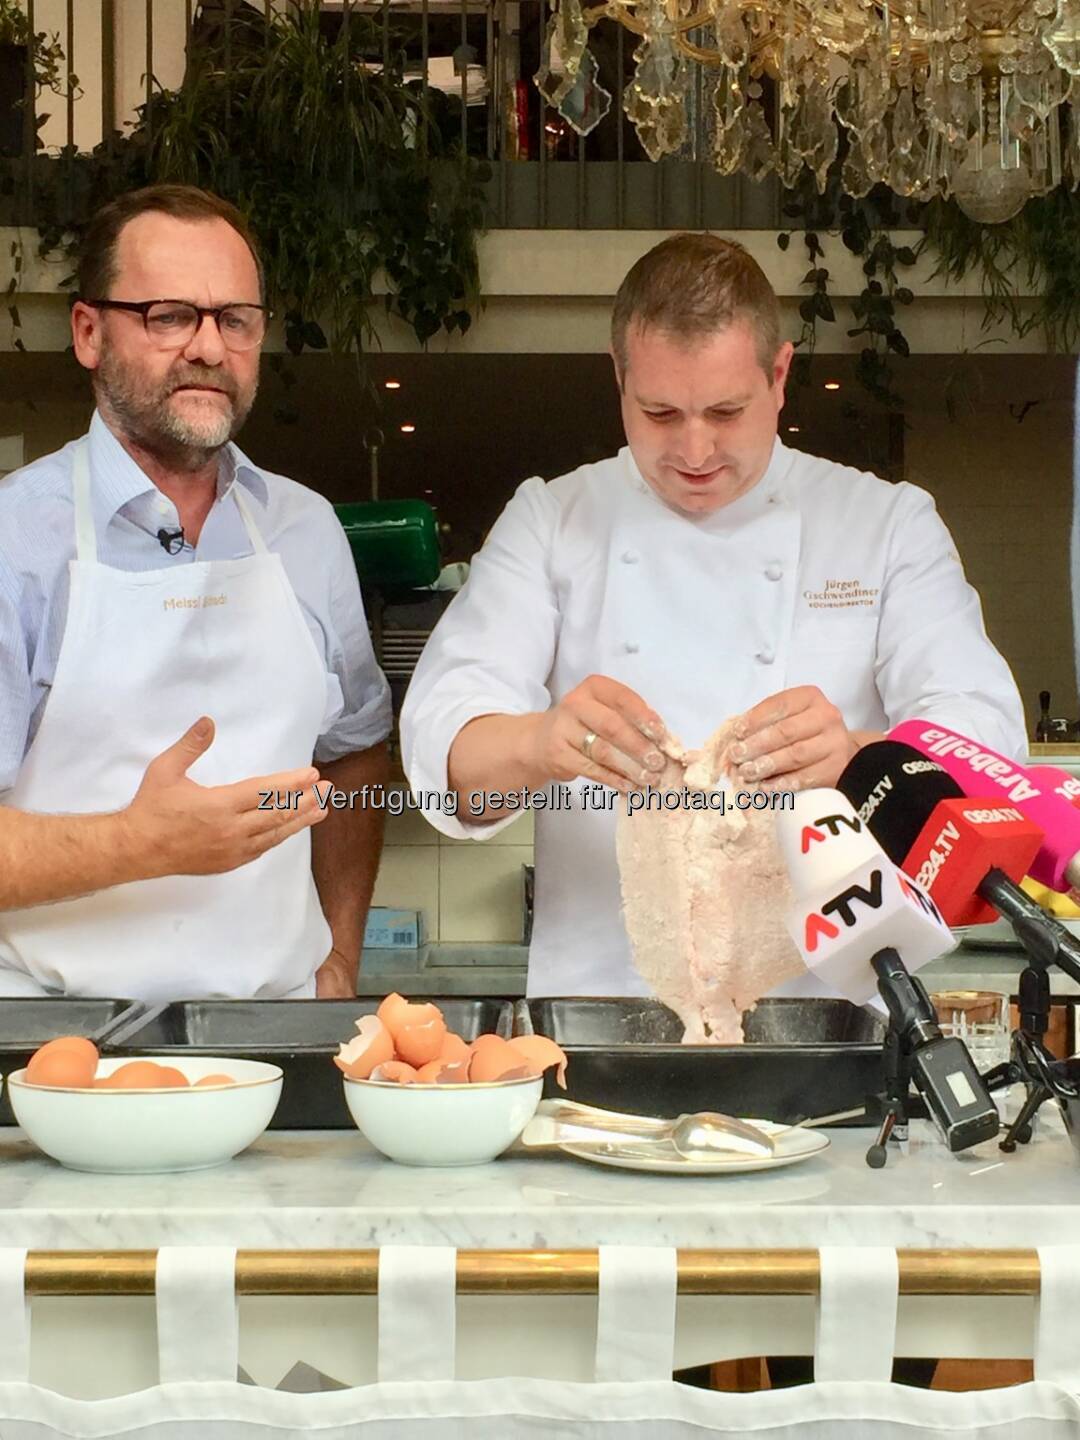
939 1066
171 541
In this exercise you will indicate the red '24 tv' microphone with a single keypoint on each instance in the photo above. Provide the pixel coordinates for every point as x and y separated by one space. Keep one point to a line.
966 851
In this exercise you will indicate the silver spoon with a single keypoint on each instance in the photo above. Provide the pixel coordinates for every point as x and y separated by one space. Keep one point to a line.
703 1133
706 1132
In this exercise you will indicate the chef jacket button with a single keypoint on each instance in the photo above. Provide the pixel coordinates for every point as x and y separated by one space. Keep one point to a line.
162 505
630 557
631 647
766 656
773 572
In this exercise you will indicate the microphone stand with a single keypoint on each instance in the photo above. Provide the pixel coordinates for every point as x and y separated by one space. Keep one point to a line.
1046 943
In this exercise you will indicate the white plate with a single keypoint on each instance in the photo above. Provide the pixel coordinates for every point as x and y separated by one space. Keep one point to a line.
1000 935
791 1147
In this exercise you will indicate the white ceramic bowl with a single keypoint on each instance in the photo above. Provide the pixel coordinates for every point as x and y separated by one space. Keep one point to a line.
130 1132
442 1124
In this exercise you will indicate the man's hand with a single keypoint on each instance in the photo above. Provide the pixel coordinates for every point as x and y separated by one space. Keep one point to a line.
796 740
335 978
624 753
182 828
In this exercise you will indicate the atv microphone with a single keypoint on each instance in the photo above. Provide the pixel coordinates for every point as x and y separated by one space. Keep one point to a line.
851 900
980 772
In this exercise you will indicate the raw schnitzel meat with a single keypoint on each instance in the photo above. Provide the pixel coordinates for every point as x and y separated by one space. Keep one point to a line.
704 897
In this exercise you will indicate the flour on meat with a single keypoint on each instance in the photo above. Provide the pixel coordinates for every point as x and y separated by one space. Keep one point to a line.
704 896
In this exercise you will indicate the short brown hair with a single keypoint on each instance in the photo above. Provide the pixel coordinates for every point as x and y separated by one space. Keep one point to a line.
690 286
97 253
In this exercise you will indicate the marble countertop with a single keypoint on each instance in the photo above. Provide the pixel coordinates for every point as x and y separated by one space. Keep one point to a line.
323 1189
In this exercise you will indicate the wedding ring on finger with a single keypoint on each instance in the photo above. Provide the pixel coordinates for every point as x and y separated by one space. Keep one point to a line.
588 741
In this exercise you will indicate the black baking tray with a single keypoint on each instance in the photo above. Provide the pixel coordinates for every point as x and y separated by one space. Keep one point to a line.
27 1023
301 1036
802 1058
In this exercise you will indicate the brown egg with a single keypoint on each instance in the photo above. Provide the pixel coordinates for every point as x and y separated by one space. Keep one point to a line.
391 1011
214 1080
492 1059
169 1078
456 1073
454 1049
399 1014
442 1072
541 1053
63 1067
395 1070
419 1044
135 1075
45 1061
372 1046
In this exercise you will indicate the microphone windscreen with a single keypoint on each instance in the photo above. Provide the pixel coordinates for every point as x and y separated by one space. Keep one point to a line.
980 772
822 840
894 789
961 842
839 928
1062 783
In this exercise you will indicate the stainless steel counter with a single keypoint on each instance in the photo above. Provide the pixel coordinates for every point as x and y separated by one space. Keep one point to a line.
500 970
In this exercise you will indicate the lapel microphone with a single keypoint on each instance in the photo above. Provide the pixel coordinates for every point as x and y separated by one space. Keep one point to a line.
171 541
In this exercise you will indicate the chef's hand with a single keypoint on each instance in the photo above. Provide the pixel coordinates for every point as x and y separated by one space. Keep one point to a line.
335 978
190 829
624 753
796 740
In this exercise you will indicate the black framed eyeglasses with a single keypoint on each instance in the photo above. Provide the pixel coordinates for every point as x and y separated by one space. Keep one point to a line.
170 324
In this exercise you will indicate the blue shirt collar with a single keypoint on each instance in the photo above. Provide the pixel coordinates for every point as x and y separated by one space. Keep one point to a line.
117 479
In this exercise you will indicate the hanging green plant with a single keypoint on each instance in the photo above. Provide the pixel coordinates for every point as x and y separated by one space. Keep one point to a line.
1040 245
864 228
337 163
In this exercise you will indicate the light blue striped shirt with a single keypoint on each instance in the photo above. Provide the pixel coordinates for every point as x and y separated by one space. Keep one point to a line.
37 539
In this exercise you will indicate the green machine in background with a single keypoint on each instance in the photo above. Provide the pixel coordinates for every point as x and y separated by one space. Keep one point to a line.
395 546
395 543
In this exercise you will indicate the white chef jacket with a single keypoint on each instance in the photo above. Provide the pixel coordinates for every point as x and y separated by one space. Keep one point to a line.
820 575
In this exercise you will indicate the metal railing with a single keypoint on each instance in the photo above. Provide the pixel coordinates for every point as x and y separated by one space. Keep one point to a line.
536 1272
475 58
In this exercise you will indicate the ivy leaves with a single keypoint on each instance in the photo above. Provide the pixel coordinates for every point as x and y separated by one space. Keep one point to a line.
864 230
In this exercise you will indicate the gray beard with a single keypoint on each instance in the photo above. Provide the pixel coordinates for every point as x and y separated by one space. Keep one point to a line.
146 417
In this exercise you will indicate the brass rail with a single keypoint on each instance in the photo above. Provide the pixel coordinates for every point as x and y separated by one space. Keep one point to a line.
534 1272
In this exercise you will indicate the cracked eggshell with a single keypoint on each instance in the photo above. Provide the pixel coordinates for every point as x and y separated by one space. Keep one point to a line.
492 1059
541 1053
373 1046
420 1044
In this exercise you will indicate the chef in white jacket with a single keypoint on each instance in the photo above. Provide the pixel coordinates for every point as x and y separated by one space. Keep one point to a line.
705 571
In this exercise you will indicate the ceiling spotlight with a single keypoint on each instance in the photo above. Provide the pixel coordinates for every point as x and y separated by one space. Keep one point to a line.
407 429
832 384
392 384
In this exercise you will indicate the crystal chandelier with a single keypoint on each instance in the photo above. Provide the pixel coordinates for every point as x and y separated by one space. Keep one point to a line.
968 98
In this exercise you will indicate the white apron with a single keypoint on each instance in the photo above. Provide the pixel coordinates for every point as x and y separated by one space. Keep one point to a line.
144 654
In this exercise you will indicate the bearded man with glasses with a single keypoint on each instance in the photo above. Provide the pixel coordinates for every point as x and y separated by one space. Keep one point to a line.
183 654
